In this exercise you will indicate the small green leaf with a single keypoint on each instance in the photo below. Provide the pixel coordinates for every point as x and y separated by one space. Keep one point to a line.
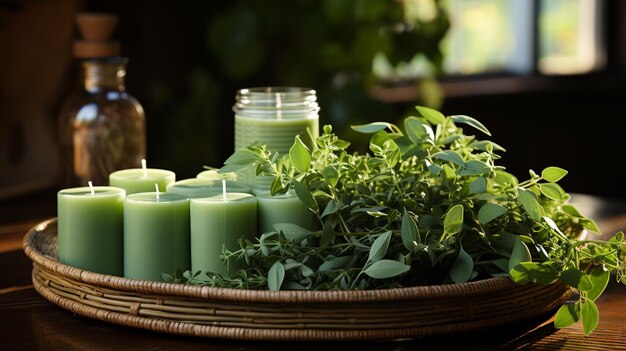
291 264
617 238
576 278
409 232
331 207
417 131
572 210
590 224
567 315
331 176
478 185
519 254
386 269
470 122
503 178
450 139
292 231
341 144
453 221
275 276
530 204
277 186
533 272
304 195
336 263
599 277
450 156
306 271
371 127
474 167
432 116
553 174
377 141
241 157
502 263
552 191
488 212
328 235
433 168
590 316
300 156
448 172
379 247
168 278
392 153
483 145
462 268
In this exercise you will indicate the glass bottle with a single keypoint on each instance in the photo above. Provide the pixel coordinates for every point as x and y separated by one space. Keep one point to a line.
102 126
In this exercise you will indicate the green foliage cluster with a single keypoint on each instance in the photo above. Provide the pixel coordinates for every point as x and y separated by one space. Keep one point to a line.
429 205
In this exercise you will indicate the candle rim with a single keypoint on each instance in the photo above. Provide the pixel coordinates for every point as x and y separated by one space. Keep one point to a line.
151 197
219 198
99 190
203 183
213 174
138 173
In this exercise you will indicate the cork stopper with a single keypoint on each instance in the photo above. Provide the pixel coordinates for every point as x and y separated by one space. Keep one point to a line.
96 30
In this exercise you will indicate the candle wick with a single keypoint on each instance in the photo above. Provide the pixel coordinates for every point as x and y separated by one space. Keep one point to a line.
224 189
144 166
91 188
156 186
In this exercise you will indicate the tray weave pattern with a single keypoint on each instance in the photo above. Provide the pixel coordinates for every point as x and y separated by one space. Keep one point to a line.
283 315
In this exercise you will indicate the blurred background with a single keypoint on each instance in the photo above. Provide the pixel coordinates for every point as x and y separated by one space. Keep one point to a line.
547 77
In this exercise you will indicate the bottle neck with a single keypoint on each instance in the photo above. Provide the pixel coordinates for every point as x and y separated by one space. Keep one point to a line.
104 74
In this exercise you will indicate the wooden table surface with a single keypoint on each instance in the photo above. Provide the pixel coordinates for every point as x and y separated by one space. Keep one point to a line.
29 322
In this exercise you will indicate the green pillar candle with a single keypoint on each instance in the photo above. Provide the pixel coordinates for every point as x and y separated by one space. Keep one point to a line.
156 235
140 180
283 208
90 228
194 187
218 221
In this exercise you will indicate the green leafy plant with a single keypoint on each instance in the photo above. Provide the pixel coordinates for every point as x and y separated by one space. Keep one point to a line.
428 205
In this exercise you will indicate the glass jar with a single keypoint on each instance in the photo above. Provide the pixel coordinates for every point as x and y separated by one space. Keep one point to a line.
273 116
102 126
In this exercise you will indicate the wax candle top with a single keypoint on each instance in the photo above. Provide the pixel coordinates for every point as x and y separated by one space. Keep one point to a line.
230 197
212 174
195 187
155 197
141 173
99 191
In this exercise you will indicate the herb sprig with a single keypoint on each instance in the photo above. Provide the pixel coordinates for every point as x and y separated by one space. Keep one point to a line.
428 205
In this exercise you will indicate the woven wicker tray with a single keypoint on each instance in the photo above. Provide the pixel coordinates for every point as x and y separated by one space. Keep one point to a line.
284 315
